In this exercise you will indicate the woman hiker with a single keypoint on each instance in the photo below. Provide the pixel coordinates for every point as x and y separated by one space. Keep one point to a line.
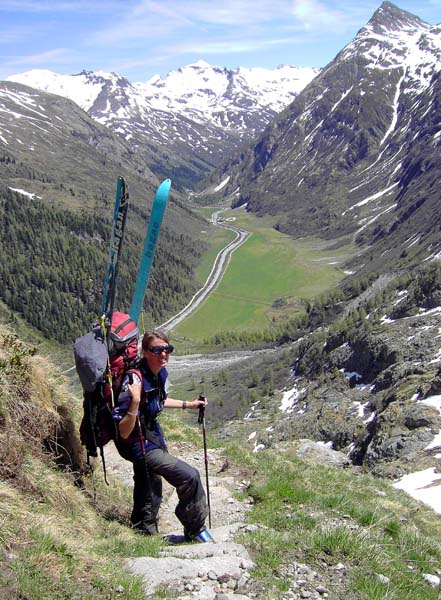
141 441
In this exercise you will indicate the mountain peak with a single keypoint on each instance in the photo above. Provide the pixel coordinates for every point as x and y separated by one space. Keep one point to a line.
389 17
200 64
211 109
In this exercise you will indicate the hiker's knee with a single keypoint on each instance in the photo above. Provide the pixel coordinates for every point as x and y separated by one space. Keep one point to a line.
189 474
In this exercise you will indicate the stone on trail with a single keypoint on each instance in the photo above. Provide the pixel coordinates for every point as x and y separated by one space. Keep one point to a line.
202 565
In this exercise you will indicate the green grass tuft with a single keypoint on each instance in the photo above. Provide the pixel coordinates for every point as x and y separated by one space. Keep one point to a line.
382 540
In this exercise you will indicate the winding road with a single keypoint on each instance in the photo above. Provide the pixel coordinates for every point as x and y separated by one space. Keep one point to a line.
184 364
218 270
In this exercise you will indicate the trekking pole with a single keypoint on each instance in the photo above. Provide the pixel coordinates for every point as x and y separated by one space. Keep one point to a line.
201 421
109 379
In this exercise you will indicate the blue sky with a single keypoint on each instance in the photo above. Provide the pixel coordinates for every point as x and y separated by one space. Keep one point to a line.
140 38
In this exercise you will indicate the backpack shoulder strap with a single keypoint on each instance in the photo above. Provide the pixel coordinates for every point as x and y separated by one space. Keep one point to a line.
134 370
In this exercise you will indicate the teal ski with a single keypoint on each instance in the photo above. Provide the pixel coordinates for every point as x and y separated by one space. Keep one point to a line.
119 224
158 209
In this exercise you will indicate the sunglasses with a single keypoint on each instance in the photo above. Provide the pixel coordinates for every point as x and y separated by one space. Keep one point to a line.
157 350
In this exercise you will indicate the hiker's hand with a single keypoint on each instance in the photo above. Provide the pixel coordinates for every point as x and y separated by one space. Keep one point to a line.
196 404
135 391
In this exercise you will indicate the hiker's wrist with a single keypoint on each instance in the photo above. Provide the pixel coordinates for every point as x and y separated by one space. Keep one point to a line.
133 407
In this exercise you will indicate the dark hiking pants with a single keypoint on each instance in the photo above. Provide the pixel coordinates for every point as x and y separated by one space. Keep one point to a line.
148 470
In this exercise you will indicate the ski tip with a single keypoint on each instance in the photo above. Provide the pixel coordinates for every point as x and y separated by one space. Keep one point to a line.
163 189
166 184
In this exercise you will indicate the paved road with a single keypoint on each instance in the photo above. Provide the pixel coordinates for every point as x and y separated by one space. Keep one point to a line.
218 270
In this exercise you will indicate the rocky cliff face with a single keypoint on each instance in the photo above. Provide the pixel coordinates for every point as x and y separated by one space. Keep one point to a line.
367 384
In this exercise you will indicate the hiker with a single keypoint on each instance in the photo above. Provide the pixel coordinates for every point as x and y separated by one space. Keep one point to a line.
141 441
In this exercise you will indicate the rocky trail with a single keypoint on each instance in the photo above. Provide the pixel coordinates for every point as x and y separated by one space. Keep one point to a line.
217 570
221 570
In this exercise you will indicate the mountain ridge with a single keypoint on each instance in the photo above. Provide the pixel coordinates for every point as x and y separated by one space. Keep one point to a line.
198 90
187 122
59 169
347 156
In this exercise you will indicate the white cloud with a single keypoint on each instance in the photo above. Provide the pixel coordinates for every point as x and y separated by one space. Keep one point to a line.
232 27
230 46
236 13
157 19
54 56
13 35
314 15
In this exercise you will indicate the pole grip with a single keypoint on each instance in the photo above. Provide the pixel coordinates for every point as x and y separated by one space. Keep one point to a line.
201 410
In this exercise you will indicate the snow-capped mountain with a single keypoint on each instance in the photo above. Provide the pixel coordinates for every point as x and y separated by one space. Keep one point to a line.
49 141
193 117
230 99
358 151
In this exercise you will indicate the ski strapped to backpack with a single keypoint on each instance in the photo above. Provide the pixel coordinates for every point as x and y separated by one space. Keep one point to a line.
119 225
158 209
101 366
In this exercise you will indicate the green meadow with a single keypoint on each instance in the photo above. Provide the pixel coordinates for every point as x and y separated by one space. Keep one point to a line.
268 279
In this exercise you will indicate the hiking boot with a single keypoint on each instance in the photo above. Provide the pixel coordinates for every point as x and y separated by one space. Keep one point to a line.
145 529
202 537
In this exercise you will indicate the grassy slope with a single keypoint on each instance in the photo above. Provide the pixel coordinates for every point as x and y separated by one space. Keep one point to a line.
363 538
269 266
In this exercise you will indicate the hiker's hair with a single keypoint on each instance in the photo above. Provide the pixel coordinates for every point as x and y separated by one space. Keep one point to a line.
151 335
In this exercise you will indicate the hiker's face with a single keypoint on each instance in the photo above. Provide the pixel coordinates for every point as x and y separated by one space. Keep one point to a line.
156 361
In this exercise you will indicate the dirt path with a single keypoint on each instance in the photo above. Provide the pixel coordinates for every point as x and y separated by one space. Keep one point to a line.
221 570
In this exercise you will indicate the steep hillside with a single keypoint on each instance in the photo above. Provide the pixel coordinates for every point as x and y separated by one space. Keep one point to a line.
357 152
361 373
319 528
59 169
186 123
53 536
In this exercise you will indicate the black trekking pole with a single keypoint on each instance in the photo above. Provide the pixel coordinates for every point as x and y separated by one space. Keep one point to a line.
201 421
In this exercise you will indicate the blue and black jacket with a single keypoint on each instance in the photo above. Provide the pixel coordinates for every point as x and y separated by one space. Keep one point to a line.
147 431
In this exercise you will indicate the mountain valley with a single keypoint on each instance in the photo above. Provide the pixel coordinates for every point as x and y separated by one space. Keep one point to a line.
356 155
320 414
